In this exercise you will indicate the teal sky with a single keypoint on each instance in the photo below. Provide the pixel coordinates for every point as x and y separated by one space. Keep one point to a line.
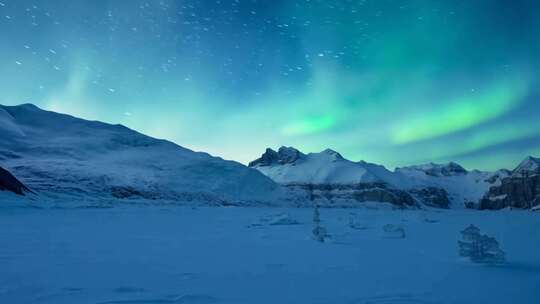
386 81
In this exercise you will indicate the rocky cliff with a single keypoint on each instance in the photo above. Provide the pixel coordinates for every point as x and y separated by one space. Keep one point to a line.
520 190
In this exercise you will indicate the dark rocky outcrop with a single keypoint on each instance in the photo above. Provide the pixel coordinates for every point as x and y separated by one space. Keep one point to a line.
285 155
385 195
520 190
516 192
360 193
432 196
498 175
8 182
528 167
449 169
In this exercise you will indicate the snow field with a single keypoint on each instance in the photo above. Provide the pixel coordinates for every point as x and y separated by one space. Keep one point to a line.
147 254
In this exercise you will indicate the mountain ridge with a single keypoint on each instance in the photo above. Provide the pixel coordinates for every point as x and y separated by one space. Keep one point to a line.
61 155
432 184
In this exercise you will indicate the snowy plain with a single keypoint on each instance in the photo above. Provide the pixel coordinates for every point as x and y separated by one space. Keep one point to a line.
171 254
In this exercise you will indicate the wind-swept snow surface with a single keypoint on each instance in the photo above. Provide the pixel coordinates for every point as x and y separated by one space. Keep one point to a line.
63 157
239 255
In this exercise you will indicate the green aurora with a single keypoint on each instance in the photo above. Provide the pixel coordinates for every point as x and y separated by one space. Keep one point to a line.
392 82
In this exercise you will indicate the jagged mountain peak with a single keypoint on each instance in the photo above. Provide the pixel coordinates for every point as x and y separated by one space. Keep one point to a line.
335 155
284 155
289 154
290 166
530 165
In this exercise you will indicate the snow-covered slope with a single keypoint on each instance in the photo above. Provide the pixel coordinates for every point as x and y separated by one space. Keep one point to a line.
59 155
261 256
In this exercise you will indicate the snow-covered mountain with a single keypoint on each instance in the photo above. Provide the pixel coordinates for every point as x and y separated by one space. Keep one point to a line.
63 157
520 189
529 166
463 188
290 166
438 170
438 185
331 180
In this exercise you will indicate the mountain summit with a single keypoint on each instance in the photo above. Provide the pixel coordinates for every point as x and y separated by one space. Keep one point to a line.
520 190
529 166
289 165
284 155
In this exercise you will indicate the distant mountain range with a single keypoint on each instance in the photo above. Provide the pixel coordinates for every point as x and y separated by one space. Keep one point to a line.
64 159
330 179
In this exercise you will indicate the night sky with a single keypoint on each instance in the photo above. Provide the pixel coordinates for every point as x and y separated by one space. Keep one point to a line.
386 81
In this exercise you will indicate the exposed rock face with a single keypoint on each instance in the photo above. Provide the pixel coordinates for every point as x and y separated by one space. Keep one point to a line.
432 196
529 166
329 179
463 188
385 195
336 179
517 192
453 169
498 176
8 182
334 194
285 155
520 190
